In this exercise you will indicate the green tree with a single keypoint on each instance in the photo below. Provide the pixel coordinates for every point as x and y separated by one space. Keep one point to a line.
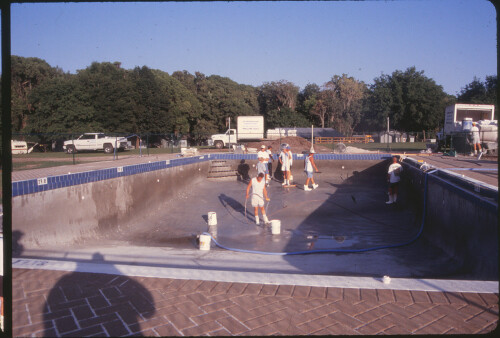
27 74
285 117
220 97
324 105
480 92
412 101
62 105
184 109
277 95
306 101
109 89
347 99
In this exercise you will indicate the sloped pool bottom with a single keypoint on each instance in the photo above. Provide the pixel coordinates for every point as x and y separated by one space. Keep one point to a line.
341 215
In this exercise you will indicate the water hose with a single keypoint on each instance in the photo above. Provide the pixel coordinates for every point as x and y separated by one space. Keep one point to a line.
340 250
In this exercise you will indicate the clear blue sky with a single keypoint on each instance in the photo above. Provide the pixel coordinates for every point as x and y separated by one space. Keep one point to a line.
255 42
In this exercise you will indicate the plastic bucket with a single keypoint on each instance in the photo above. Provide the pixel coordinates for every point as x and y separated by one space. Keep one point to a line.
205 242
212 218
275 226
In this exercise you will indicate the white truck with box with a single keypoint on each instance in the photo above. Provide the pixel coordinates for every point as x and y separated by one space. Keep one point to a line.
248 128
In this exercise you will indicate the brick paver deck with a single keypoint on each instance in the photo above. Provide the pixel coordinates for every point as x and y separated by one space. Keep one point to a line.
56 303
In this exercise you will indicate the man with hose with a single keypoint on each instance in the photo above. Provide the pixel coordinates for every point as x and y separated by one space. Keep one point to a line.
259 192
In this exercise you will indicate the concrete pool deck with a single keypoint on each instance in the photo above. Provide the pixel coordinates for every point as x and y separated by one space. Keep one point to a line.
93 291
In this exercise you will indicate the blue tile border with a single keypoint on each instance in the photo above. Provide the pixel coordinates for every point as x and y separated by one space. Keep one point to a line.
55 182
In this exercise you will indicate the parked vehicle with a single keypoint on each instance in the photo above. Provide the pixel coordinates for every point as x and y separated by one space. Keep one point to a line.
248 128
457 116
94 142
458 123
21 147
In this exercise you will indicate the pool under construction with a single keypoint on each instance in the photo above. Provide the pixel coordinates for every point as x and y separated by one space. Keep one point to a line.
151 216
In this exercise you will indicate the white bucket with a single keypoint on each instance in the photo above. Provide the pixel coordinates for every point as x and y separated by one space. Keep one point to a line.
205 242
212 218
275 227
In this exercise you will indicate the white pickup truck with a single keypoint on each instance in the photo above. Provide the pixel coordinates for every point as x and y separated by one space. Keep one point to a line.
93 142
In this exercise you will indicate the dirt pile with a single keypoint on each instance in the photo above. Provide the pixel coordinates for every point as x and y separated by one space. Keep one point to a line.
300 144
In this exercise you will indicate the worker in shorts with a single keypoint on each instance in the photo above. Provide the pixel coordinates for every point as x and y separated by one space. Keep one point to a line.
393 177
262 167
259 192
264 154
269 151
475 139
285 160
308 168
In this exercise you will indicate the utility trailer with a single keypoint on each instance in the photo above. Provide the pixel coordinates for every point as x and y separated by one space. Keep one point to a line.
458 123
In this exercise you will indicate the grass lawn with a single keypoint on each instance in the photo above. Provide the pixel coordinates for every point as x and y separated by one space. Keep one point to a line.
39 164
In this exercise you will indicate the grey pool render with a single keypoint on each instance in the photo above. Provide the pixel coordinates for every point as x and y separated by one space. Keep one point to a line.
150 216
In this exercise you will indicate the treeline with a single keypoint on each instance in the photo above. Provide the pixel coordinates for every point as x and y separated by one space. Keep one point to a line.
106 97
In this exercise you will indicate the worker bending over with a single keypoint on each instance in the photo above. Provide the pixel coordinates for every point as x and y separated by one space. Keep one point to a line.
259 192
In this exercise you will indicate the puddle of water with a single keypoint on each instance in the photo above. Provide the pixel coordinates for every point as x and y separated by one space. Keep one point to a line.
331 242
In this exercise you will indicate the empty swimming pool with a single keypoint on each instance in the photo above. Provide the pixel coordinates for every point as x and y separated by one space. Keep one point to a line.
153 218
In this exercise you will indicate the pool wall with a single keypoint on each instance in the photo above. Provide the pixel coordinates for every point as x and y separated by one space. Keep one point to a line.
98 209
461 218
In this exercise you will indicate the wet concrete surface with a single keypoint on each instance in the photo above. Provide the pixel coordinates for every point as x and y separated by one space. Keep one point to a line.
346 212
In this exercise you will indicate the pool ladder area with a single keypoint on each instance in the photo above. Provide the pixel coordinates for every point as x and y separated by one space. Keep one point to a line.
220 170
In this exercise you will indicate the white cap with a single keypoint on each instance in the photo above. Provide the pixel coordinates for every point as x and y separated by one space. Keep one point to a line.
262 146
312 151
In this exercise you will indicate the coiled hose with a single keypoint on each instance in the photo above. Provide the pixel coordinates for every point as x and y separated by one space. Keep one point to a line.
339 250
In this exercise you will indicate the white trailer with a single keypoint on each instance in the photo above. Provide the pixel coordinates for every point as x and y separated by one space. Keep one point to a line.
458 123
454 115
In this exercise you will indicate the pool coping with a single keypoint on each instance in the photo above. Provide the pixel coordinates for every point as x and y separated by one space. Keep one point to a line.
442 285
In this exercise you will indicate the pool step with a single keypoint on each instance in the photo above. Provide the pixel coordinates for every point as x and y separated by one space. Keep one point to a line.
221 170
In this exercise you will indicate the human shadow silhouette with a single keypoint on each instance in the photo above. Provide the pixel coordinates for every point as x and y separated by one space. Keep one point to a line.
230 202
17 247
243 171
110 300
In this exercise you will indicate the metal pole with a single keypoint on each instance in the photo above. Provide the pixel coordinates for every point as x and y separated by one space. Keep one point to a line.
140 146
387 138
312 136
229 143
147 143
74 149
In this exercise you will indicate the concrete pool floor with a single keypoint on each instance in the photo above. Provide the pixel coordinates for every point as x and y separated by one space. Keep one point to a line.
334 216
226 293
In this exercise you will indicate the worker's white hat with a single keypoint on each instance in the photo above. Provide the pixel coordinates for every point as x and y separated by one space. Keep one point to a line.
262 146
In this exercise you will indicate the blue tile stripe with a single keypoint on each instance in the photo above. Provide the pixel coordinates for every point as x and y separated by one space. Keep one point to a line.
61 181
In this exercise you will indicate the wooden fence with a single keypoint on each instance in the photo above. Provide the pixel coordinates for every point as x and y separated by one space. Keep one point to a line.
353 139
